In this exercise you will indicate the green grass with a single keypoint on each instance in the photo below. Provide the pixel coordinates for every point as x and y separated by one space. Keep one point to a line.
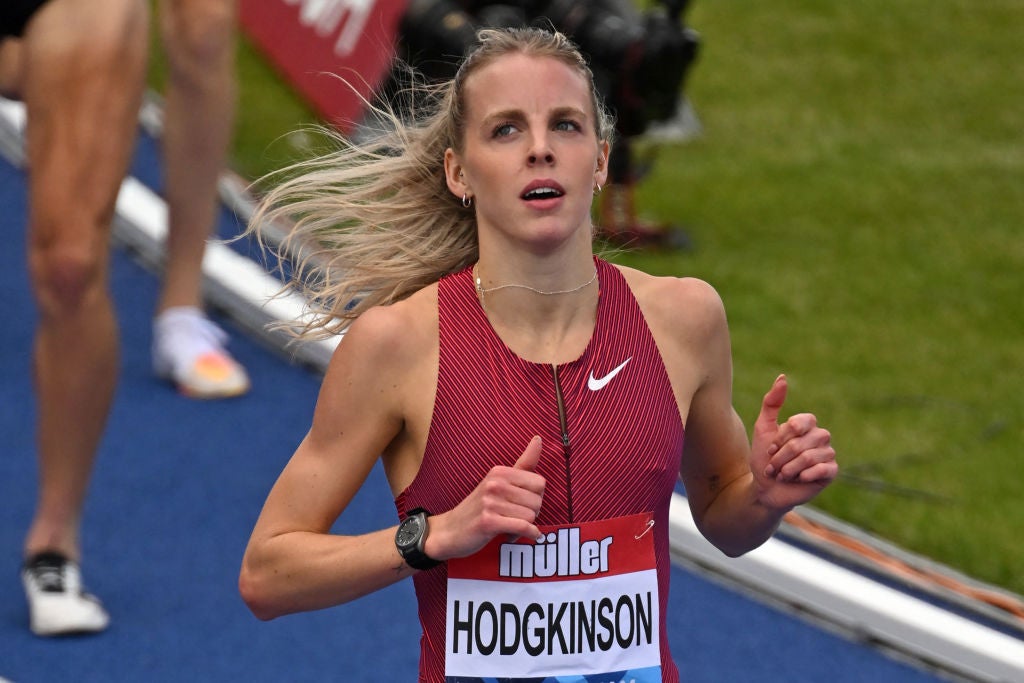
857 198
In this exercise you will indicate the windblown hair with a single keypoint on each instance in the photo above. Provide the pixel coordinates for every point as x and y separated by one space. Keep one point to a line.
374 221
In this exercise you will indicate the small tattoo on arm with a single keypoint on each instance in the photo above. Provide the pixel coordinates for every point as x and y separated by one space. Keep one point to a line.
714 483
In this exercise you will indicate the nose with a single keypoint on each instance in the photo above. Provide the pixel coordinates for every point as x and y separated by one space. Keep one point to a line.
546 157
540 151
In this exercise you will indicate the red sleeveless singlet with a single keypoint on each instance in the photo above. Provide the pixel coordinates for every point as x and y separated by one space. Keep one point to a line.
624 428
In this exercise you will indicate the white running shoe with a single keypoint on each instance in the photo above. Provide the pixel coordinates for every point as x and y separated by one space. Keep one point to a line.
57 602
188 350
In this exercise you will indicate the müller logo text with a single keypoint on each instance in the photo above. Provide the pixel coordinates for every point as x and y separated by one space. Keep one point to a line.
555 554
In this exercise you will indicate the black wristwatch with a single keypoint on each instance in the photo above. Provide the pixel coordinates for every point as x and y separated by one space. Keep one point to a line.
410 537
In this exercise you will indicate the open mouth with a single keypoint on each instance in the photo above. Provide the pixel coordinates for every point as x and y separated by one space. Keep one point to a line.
542 193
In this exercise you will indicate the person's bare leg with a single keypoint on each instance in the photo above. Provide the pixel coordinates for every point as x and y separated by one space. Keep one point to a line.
198 36
84 64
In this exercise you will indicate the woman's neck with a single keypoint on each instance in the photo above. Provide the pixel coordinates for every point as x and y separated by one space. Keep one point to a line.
546 318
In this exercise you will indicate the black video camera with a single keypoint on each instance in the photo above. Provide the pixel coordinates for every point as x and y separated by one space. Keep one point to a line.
639 59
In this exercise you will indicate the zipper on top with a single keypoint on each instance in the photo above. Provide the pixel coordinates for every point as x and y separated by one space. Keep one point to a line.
566 447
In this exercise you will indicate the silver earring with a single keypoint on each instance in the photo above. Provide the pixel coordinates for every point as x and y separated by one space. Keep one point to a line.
467 201
598 189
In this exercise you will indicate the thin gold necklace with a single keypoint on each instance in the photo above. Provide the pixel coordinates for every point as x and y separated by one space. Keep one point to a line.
481 290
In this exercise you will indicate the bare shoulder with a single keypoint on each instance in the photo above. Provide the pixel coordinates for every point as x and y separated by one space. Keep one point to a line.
387 360
687 319
398 333
676 304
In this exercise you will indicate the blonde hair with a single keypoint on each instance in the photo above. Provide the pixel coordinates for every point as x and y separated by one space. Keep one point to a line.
374 221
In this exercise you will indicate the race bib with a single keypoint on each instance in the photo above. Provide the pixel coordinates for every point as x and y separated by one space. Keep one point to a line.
579 604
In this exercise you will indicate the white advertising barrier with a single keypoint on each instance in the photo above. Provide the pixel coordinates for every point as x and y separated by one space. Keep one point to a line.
855 603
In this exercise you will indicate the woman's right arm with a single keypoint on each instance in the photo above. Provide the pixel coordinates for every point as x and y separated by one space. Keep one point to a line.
293 563
377 394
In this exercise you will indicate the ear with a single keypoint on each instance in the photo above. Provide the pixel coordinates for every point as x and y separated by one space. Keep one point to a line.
454 174
601 172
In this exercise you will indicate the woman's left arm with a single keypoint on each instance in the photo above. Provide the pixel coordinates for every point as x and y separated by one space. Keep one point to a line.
738 489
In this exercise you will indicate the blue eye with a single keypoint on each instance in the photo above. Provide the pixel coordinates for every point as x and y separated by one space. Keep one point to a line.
567 125
504 130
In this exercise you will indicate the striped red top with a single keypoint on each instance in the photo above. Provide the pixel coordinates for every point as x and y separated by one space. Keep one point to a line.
625 433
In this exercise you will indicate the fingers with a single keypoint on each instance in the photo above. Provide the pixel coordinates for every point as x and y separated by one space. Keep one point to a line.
818 473
531 456
799 445
796 457
526 478
511 509
795 427
509 497
516 501
506 502
772 404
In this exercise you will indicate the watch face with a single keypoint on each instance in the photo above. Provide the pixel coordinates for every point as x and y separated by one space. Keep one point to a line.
408 531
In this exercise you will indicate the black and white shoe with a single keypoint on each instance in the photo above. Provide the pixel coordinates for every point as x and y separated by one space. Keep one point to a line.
57 602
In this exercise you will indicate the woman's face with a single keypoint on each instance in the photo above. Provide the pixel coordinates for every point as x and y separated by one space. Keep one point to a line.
530 157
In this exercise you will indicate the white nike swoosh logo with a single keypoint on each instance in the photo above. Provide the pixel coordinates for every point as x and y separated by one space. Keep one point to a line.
596 383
